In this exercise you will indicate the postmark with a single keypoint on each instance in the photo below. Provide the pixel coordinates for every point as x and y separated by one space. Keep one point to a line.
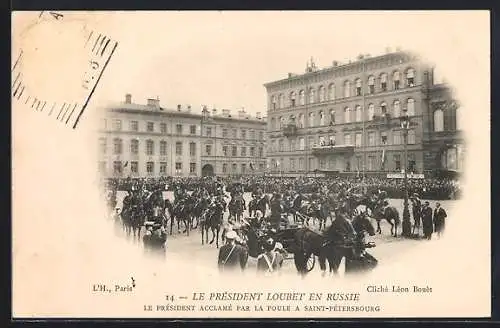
57 64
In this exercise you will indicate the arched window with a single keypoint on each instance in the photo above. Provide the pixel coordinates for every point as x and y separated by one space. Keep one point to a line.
312 95
453 158
134 146
301 120
273 124
321 93
321 118
291 119
371 84
371 111
358 113
410 107
302 97
396 80
117 146
281 101
347 89
347 115
292 98
383 82
383 108
332 116
397 108
311 119
410 77
273 102
358 87
331 91
438 120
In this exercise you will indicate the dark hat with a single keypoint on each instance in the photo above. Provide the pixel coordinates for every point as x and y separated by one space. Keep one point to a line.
426 203
269 244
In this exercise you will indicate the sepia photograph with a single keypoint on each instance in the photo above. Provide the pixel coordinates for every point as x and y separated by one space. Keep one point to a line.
267 164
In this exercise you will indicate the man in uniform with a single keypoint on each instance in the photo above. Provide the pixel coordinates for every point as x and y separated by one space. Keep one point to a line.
439 219
417 212
276 210
271 260
232 256
427 221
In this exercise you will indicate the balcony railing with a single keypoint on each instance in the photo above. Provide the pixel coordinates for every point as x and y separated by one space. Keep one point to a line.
331 149
290 130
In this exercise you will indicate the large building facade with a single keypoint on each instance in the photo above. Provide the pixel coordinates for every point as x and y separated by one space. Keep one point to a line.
150 141
346 119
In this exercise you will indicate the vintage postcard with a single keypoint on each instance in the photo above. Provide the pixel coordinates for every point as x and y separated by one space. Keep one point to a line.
265 164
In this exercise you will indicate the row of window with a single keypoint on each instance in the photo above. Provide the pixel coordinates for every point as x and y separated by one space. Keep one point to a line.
299 143
179 129
320 94
150 148
243 168
119 167
349 115
373 163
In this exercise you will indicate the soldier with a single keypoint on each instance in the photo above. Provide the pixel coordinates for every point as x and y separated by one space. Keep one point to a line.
232 255
439 219
417 212
427 221
271 260
276 210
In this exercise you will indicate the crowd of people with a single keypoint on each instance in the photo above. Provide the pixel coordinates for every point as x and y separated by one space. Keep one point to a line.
429 188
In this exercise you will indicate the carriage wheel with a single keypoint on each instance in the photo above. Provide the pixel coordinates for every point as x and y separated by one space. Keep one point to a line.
310 263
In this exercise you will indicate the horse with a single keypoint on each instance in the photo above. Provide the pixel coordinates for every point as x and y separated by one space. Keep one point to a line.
390 214
260 204
317 211
236 208
212 219
136 220
326 246
181 211
362 225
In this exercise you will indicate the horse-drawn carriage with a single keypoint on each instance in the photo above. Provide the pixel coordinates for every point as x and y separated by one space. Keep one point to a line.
254 235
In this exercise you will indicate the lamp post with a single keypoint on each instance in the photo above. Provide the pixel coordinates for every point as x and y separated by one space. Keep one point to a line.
405 124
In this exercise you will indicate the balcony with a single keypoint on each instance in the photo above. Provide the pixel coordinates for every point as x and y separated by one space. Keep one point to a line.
290 130
335 149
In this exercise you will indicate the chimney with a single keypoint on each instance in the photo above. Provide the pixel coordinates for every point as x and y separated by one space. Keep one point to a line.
189 107
290 75
241 113
128 98
226 112
360 57
335 63
258 115
388 50
214 111
179 108
154 102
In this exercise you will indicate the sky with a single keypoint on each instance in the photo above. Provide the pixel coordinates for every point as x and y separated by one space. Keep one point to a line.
222 59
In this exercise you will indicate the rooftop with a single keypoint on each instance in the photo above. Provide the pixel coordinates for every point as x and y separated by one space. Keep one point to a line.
153 107
311 68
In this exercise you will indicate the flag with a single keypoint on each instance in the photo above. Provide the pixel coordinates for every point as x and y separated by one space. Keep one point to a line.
277 163
383 158
251 166
126 163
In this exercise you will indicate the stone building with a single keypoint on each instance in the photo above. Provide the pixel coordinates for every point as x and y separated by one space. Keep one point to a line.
149 140
345 119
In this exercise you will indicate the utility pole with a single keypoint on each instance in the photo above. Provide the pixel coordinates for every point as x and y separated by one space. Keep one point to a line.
405 124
